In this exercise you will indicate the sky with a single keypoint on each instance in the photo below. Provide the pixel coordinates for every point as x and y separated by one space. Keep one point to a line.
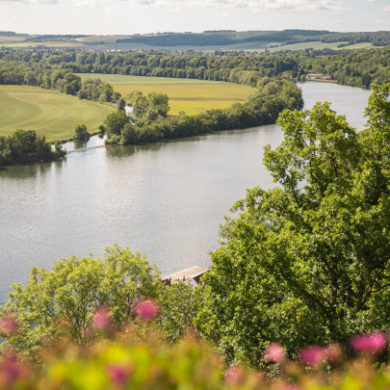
103 17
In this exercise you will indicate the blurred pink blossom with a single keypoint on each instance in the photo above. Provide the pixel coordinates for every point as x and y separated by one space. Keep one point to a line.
233 375
118 374
313 355
8 324
146 309
371 343
275 353
101 318
10 370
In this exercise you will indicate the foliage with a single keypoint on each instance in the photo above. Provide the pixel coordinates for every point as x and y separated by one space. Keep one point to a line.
80 132
158 102
308 261
62 301
22 73
272 97
128 135
357 68
96 89
148 107
115 122
24 146
138 357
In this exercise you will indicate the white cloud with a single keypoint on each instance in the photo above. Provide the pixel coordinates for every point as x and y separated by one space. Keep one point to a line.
255 5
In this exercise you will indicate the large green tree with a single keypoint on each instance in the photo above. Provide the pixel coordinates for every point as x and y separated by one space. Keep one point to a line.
308 261
62 301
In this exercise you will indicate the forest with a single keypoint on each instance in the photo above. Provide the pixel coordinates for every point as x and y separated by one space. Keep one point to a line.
33 67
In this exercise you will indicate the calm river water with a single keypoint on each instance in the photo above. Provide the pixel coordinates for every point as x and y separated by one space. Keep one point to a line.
166 200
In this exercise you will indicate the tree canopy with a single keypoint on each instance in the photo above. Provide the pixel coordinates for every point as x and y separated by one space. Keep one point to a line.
307 261
62 301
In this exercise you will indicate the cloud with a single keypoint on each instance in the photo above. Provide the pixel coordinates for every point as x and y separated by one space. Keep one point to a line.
258 5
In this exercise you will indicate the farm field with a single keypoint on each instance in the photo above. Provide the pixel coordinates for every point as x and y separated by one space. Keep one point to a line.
308 45
190 96
48 112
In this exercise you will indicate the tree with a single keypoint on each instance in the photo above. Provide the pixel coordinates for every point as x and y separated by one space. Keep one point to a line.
158 102
62 301
115 122
308 261
80 132
139 103
128 135
74 289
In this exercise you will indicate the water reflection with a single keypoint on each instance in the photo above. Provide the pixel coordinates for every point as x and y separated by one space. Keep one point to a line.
22 172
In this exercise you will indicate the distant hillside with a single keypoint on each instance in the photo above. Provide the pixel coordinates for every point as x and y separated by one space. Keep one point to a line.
208 40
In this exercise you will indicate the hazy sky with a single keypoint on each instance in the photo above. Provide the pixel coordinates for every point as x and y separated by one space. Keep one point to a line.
143 16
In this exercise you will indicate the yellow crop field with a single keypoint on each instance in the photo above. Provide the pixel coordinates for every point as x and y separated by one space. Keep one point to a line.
190 96
48 112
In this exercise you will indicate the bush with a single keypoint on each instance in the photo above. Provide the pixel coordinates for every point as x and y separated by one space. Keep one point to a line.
80 132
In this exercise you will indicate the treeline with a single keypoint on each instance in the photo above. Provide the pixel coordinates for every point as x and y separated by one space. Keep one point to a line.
358 68
241 69
53 77
226 38
30 74
150 123
377 38
27 147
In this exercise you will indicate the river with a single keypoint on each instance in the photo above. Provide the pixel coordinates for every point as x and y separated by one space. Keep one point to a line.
166 200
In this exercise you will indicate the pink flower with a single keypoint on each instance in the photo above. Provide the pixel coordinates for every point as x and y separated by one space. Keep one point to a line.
101 319
233 376
370 343
118 373
8 324
146 309
275 353
10 370
312 355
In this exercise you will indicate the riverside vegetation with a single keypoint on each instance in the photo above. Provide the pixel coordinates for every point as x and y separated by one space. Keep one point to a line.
305 263
54 69
150 123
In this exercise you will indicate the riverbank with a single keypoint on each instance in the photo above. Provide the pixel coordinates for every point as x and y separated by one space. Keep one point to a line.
273 96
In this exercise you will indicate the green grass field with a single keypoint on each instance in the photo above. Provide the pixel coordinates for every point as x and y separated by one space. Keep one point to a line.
190 96
48 112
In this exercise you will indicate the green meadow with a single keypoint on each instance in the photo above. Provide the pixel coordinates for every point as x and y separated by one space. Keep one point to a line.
188 95
48 112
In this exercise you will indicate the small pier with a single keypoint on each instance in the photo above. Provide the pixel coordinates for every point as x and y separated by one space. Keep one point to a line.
81 150
192 275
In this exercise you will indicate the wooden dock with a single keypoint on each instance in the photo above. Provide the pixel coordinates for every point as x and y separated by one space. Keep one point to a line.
192 274
81 150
